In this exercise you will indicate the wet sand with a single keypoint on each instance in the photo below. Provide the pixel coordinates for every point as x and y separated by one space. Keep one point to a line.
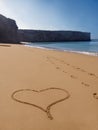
47 90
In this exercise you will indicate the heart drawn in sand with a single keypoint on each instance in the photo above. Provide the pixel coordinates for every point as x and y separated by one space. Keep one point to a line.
47 110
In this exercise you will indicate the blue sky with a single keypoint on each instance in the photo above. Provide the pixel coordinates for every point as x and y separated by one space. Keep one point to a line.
80 15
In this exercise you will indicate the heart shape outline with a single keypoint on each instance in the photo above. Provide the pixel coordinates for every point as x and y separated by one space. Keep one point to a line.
47 110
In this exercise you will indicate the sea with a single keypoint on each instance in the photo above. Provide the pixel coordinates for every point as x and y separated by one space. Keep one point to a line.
84 47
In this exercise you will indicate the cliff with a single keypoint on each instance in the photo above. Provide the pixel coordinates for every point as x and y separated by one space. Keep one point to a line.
52 36
8 30
9 33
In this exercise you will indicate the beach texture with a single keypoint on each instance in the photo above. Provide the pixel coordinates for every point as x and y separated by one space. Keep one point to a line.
47 90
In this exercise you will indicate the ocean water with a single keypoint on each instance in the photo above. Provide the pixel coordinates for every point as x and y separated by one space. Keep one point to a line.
88 47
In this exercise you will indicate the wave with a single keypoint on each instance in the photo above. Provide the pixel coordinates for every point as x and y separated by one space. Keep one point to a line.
65 50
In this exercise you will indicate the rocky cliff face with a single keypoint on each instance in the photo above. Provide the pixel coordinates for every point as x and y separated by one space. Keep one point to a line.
9 33
52 36
8 30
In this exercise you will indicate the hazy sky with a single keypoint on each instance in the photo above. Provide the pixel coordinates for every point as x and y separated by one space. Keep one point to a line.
79 15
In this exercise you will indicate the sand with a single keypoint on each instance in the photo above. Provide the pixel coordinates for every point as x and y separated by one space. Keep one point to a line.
47 90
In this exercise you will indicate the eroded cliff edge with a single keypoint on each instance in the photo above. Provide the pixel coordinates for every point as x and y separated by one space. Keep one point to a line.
52 36
9 33
8 30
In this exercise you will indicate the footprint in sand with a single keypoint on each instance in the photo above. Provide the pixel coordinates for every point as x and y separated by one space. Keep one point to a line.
85 84
95 95
64 71
57 67
67 64
83 70
91 74
72 76
62 61
77 68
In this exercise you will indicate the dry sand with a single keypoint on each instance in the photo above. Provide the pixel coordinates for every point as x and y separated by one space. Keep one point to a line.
72 107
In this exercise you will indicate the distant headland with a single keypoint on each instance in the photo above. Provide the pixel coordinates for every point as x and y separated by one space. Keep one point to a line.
9 33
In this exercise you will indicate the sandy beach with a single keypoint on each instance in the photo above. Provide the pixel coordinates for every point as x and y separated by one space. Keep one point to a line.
47 90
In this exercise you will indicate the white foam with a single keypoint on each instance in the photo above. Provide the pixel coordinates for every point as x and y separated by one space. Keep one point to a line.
84 52
80 52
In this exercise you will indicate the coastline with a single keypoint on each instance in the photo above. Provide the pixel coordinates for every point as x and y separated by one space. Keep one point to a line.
24 67
87 48
69 51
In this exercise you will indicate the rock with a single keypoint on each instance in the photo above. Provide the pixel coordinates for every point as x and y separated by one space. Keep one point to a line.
8 30
52 36
9 33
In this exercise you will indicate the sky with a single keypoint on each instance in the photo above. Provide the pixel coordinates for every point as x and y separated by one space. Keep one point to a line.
76 15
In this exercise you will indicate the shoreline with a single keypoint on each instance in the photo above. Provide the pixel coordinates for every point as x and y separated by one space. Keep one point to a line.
44 90
69 51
